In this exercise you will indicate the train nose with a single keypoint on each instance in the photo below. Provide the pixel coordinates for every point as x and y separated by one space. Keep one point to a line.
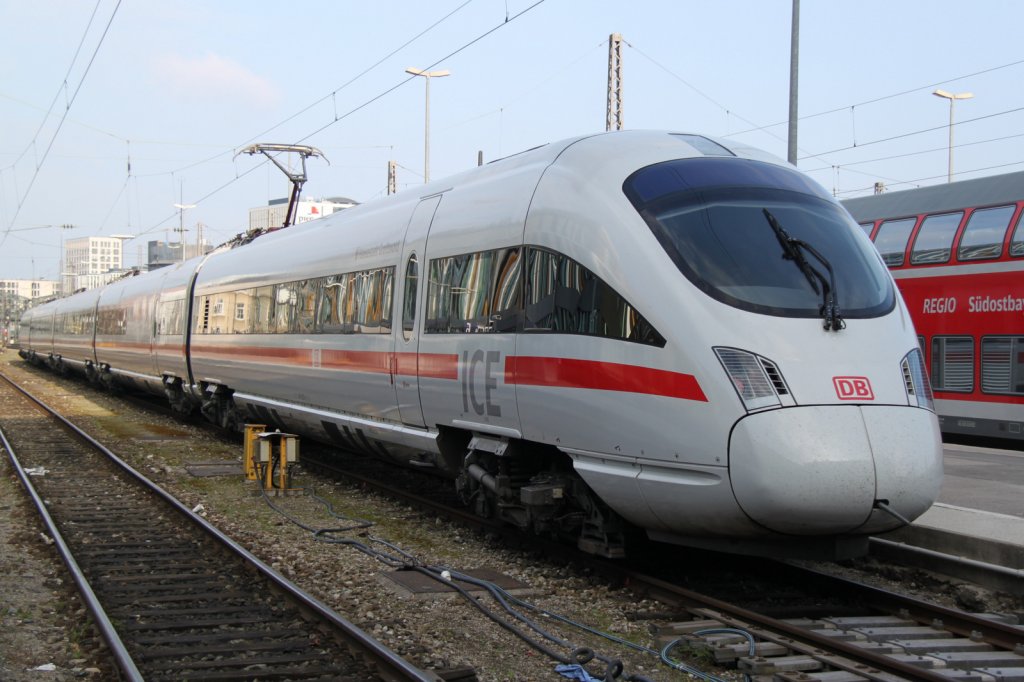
822 469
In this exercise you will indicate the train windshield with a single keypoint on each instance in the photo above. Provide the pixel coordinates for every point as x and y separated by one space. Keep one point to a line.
711 216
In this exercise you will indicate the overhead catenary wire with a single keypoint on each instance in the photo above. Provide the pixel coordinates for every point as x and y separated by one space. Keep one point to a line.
728 112
917 153
60 124
943 175
61 88
230 151
330 95
339 118
901 136
850 107
887 97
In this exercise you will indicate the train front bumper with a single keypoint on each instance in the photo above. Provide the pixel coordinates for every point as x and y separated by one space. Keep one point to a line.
832 468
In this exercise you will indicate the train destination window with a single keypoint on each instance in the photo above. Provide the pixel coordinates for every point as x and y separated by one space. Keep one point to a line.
953 363
891 240
1002 365
934 241
984 233
714 218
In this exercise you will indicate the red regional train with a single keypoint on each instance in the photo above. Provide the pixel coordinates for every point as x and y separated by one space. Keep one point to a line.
957 253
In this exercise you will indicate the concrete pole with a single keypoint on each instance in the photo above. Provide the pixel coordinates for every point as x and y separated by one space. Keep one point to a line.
794 78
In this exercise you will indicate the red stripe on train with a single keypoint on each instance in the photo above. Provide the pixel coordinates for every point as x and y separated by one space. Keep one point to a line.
604 376
430 365
524 371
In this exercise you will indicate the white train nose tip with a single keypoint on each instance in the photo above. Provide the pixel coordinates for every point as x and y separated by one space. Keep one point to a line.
819 469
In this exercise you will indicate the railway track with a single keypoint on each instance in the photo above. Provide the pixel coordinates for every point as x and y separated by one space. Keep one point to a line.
884 636
171 596
889 636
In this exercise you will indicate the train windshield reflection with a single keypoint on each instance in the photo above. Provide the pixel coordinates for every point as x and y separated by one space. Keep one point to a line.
709 216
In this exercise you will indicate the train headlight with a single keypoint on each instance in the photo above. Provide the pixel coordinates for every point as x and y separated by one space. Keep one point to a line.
915 378
757 380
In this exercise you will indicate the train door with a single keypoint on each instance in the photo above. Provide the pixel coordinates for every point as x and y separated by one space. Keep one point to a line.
410 285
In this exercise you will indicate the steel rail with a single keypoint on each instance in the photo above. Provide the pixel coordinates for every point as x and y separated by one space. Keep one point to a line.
1007 637
99 615
668 592
387 663
880 667
860 661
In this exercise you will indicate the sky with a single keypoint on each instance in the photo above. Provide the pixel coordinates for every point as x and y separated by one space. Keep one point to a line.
112 111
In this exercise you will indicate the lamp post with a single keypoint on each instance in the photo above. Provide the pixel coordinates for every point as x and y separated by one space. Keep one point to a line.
952 98
427 75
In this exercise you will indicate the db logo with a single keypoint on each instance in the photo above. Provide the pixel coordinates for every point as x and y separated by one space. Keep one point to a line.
853 388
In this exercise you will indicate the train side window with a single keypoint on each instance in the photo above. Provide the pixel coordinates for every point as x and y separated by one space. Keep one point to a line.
439 297
373 300
1017 242
953 363
934 241
412 278
225 313
1002 365
202 316
891 240
387 288
983 235
286 299
171 318
474 293
563 296
262 310
240 321
329 310
306 294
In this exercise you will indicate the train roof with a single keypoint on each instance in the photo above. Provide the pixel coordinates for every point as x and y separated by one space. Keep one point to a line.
987 191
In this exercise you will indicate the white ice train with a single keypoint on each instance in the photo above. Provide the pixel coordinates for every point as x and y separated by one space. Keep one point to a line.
679 332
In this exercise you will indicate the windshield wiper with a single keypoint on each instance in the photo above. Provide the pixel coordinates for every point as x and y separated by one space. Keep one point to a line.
793 249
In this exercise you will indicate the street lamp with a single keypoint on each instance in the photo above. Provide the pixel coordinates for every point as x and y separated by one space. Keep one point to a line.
952 98
427 75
